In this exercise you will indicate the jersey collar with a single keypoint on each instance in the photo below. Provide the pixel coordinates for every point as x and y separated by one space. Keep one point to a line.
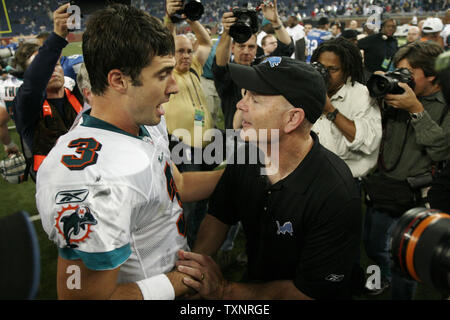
93 122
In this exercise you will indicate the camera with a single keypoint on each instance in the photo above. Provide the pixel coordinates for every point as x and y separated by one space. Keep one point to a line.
245 25
322 70
380 85
420 247
193 9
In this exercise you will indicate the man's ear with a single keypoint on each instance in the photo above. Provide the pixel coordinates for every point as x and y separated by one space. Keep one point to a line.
118 81
431 79
293 119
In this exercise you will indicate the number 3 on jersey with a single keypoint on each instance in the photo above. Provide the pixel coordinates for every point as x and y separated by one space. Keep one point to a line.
87 149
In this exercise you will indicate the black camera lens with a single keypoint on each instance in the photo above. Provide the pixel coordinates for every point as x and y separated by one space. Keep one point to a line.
240 32
194 10
245 25
380 85
322 70
420 247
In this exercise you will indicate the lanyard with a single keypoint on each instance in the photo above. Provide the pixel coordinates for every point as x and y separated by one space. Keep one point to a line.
195 89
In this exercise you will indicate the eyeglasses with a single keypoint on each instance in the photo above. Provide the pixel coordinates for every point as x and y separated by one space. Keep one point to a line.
184 51
332 69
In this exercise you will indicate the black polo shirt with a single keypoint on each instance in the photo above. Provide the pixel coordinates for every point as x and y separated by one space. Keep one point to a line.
376 49
304 228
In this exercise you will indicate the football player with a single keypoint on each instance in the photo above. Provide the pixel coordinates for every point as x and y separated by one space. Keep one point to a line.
108 194
8 89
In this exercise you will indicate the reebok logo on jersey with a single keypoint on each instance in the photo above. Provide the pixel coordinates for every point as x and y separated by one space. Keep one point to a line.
71 196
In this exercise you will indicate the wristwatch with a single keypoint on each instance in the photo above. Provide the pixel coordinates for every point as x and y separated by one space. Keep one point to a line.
332 115
417 115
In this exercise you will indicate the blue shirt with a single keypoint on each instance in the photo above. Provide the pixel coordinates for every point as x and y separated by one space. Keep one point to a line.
69 65
207 68
314 38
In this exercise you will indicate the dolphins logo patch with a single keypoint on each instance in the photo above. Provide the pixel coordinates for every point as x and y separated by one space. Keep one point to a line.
74 224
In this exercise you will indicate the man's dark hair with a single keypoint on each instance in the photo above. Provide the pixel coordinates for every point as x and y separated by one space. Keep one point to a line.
349 55
420 55
125 38
23 53
338 24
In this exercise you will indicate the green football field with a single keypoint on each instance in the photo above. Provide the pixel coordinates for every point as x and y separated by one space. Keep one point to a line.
22 197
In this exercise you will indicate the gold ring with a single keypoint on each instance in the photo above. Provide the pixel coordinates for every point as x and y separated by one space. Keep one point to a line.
203 277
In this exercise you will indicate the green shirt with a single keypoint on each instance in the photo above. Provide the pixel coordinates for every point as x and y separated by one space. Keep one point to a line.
426 141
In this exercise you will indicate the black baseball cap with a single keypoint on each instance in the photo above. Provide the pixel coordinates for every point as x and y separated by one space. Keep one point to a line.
323 21
295 80
350 34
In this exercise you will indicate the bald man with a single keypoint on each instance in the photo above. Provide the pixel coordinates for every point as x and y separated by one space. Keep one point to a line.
413 34
186 113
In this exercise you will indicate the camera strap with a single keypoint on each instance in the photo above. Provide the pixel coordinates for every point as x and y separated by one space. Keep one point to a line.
381 162
435 166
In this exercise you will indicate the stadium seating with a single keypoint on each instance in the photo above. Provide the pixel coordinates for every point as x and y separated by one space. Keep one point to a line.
31 17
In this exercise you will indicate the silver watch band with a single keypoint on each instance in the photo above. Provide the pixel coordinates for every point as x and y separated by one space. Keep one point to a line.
417 115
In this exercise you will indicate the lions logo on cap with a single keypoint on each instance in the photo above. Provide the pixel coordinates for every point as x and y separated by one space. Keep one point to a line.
74 224
273 61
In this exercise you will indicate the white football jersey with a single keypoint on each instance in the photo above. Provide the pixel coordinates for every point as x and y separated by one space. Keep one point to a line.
10 85
109 198
8 91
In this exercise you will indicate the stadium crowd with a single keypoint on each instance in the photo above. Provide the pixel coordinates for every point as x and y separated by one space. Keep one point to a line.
301 71
31 17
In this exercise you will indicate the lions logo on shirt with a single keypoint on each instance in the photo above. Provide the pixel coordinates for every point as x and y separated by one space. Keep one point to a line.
273 61
74 224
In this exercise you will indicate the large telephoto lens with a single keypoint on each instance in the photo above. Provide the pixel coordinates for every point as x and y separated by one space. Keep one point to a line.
379 85
194 10
420 247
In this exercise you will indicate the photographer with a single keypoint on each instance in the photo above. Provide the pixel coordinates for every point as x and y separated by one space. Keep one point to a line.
350 125
188 108
43 108
244 54
379 48
416 131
